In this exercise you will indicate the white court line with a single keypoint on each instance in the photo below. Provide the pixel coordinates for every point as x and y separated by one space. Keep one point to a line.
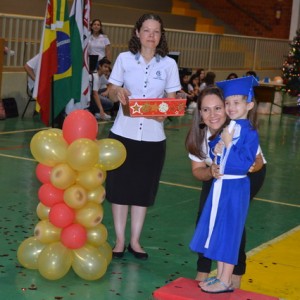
174 184
257 199
181 185
42 128
24 130
17 157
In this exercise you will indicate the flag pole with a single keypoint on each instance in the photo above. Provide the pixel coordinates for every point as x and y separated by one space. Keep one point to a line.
52 102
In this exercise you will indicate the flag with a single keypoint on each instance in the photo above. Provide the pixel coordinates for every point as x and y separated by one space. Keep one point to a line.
79 27
62 84
86 34
47 64
52 88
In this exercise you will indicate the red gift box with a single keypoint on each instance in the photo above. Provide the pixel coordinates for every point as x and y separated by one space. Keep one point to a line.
154 107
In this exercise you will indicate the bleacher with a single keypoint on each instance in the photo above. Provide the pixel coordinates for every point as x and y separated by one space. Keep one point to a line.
176 14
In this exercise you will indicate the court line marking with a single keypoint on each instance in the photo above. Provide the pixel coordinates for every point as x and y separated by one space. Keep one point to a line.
17 157
255 198
24 130
273 241
169 183
42 128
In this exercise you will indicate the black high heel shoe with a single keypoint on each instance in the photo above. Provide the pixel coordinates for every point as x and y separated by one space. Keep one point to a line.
118 254
138 255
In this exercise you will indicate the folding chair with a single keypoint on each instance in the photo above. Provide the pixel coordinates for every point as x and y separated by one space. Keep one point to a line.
30 99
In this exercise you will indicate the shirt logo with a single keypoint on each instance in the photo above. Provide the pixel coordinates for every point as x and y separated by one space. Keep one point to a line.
158 75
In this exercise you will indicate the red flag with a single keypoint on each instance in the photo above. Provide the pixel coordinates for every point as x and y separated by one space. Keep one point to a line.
48 63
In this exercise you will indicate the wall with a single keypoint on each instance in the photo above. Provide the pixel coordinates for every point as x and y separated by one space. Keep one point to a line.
113 12
263 11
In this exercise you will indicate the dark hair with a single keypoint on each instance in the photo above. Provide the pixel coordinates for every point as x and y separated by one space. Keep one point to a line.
92 23
232 76
194 76
209 78
103 61
198 72
134 44
249 73
197 133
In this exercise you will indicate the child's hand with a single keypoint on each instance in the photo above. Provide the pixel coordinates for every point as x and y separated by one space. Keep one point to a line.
215 171
227 137
219 148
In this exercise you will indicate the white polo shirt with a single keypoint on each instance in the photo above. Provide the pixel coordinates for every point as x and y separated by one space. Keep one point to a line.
96 45
99 82
152 80
33 64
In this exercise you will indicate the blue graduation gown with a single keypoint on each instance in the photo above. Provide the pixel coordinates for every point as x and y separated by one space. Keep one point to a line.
219 230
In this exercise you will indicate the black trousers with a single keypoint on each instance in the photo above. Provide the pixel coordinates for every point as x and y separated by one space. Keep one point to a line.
256 182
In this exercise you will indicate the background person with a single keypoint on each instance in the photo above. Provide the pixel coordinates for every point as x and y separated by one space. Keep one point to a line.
100 103
98 45
208 80
31 68
232 76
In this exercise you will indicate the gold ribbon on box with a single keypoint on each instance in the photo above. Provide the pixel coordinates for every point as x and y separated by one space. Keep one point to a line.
157 107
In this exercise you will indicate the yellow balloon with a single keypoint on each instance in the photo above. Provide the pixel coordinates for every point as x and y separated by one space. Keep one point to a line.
82 154
46 232
57 131
97 195
92 178
88 263
106 250
48 147
42 211
63 176
55 261
89 215
97 235
29 251
112 154
75 196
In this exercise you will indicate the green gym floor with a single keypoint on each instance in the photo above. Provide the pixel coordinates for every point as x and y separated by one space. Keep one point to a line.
273 224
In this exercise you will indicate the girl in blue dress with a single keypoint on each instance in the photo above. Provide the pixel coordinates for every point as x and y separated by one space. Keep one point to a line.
219 230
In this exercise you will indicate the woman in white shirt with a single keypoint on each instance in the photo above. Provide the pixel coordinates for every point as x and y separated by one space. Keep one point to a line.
145 71
98 45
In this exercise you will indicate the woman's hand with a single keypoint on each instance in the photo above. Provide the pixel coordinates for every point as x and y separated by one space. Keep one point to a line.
117 93
122 95
258 164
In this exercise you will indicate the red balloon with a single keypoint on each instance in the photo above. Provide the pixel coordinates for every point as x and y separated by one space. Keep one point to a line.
74 236
79 124
49 195
43 173
61 215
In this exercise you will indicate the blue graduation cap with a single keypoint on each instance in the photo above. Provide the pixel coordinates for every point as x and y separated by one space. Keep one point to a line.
239 86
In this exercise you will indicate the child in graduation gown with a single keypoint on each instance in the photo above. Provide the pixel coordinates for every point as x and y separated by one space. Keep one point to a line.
219 230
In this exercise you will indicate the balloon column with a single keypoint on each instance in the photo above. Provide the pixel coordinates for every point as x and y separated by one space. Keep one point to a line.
72 167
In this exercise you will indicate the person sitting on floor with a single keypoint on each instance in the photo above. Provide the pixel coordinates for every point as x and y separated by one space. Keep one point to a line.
100 103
